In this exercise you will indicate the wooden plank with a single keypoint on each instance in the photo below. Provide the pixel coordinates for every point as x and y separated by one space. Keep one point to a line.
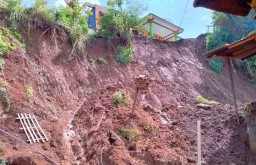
199 149
241 42
30 126
25 130
246 54
36 128
27 126
233 89
40 127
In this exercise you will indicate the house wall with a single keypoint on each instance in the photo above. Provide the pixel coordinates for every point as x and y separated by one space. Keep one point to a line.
92 20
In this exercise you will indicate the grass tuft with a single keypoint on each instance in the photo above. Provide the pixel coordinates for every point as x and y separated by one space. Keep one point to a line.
129 134
205 101
120 99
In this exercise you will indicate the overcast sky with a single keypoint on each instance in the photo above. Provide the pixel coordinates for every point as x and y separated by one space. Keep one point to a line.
194 22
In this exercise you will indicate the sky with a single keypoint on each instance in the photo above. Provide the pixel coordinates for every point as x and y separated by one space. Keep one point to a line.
194 22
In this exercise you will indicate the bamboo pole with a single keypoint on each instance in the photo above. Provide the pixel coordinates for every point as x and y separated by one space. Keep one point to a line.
233 89
199 149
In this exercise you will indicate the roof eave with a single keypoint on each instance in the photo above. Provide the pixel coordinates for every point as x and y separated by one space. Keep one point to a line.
235 7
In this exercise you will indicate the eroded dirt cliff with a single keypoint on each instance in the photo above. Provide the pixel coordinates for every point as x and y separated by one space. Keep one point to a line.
72 99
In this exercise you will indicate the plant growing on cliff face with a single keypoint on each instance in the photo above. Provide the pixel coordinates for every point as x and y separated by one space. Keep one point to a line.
29 91
120 99
120 17
205 101
216 64
123 55
71 20
149 128
129 134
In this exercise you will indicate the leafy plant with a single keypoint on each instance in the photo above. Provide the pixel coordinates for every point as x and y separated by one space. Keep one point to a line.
120 99
29 91
129 134
216 64
5 42
74 18
123 55
120 17
205 101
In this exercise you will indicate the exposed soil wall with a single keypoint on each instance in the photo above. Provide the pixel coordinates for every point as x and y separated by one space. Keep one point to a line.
72 100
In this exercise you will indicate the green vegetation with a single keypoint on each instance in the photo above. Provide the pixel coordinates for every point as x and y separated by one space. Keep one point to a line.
122 15
120 99
29 91
123 55
149 128
205 101
71 19
8 42
129 134
216 64
5 44
4 92
228 29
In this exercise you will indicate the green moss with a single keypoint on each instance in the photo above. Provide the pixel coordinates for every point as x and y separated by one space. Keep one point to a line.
128 134
205 101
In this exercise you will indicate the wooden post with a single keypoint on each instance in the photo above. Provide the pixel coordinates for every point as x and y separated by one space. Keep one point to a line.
199 152
134 101
233 89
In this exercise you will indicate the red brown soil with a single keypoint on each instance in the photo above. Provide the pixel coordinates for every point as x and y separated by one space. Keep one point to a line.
71 96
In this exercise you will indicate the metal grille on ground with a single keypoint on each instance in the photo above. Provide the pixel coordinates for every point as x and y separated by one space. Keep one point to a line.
32 129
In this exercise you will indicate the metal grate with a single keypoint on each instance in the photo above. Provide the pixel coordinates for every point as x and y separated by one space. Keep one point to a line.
32 129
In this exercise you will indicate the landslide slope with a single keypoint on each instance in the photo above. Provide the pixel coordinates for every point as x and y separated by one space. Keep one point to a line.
72 99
